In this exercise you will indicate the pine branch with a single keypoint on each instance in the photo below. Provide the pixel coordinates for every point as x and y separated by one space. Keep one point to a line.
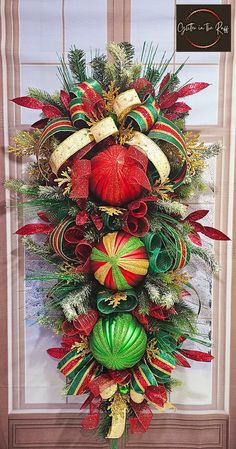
172 384
77 302
104 425
129 51
64 75
18 186
172 207
25 143
212 150
45 97
50 193
44 252
181 323
151 71
62 288
77 64
184 319
143 301
121 70
153 292
98 65
55 324
206 256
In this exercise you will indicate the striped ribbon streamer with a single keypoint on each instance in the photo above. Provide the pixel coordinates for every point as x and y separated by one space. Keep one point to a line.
144 116
83 378
56 239
78 369
167 131
72 363
163 362
80 113
88 99
142 377
89 88
185 253
56 126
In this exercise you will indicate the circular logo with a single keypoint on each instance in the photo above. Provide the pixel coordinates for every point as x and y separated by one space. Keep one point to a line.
202 28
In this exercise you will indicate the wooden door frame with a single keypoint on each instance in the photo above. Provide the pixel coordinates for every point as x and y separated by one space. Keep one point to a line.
36 430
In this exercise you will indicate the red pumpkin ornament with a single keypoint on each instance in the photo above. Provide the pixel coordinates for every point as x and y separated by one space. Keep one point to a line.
118 175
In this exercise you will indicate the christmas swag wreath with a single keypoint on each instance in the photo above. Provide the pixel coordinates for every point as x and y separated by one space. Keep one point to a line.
111 168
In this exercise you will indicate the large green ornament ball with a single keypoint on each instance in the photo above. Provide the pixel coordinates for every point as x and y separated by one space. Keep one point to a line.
118 341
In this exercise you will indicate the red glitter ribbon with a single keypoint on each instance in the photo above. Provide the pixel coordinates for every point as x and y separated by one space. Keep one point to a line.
104 381
141 422
85 322
91 421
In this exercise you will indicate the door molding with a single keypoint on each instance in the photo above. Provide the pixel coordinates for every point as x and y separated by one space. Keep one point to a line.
175 431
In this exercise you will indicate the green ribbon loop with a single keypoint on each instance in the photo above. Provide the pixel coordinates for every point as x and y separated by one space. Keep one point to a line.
104 302
144 116
82 88
152 241
162 259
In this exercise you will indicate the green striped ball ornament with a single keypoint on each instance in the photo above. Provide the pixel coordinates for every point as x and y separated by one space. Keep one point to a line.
118 341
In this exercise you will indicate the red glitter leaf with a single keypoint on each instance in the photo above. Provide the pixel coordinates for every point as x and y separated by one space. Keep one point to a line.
214 234
198 227
65 98
181 361
156 394
91 421
35 228
69 329
28 102
51 111
141 422
170 116
168 99
164 81
86 321
97 221
197 215
180 107
195 238
140 317
57 353
192 88
81 218
43 216
198 356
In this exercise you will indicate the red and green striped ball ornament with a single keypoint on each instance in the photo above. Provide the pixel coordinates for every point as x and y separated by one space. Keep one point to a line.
119 261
